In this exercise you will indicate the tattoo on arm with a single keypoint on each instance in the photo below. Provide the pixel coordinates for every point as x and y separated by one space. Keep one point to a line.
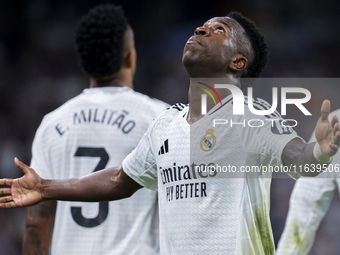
39 228
40 249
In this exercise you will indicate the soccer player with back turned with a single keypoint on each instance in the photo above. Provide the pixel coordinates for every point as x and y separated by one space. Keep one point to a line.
94 130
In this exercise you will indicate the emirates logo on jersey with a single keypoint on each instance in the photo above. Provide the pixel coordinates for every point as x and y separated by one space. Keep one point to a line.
208 140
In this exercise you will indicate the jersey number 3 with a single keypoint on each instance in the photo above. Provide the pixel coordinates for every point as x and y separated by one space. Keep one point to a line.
103 206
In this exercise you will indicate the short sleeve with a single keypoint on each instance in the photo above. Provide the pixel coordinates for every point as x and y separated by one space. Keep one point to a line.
140 164
266 143
40 159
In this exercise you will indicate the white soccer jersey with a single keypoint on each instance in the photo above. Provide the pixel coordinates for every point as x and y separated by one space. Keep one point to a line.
209 212
93 131
309 202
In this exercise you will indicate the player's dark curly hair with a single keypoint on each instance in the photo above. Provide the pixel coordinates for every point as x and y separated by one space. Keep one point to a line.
100 40
258 45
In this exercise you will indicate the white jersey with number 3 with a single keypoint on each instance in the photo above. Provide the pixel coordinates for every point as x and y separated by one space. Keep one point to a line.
208 212
93 131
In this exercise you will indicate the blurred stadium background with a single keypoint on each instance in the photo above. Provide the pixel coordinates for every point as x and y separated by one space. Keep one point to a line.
39 72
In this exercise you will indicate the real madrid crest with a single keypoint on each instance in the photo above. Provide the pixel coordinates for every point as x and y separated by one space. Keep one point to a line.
208 140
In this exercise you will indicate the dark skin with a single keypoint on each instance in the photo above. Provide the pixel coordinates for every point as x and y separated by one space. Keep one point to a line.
39 228
40 218
213 52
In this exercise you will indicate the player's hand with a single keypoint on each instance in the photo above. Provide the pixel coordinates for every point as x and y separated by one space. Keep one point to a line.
24 191
327 133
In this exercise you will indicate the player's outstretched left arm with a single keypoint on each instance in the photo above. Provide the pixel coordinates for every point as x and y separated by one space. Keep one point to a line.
327 134
105 185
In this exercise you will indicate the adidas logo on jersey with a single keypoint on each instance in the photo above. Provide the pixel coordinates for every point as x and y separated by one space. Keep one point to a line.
164 148
178 106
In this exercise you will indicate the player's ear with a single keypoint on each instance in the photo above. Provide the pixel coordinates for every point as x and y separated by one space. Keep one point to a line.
130 59
238 63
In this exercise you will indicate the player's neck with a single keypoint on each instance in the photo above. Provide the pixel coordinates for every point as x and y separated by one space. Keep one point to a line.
194 103
197 69
120 79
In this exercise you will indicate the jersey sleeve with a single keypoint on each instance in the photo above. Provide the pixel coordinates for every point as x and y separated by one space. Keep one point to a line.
265 144
140 164
40 159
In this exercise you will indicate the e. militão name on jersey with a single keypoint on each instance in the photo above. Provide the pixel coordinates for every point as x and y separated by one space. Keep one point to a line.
104 116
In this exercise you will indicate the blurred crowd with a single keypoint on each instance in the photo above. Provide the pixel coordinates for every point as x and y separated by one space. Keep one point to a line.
39 71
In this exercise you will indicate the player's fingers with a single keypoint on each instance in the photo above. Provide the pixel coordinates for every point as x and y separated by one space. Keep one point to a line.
334 147
6 199
334 120
23 167
6 182
336 139
12 205
335 128
325 109
5 191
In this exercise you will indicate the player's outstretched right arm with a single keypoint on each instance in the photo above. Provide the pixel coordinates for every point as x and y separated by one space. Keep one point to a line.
30 189
327 134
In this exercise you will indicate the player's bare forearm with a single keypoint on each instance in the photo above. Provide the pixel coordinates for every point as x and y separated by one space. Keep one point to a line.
39 228
30 189
105 185
297 153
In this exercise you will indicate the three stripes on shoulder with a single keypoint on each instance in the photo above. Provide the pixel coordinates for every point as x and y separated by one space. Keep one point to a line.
178 106
164 148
